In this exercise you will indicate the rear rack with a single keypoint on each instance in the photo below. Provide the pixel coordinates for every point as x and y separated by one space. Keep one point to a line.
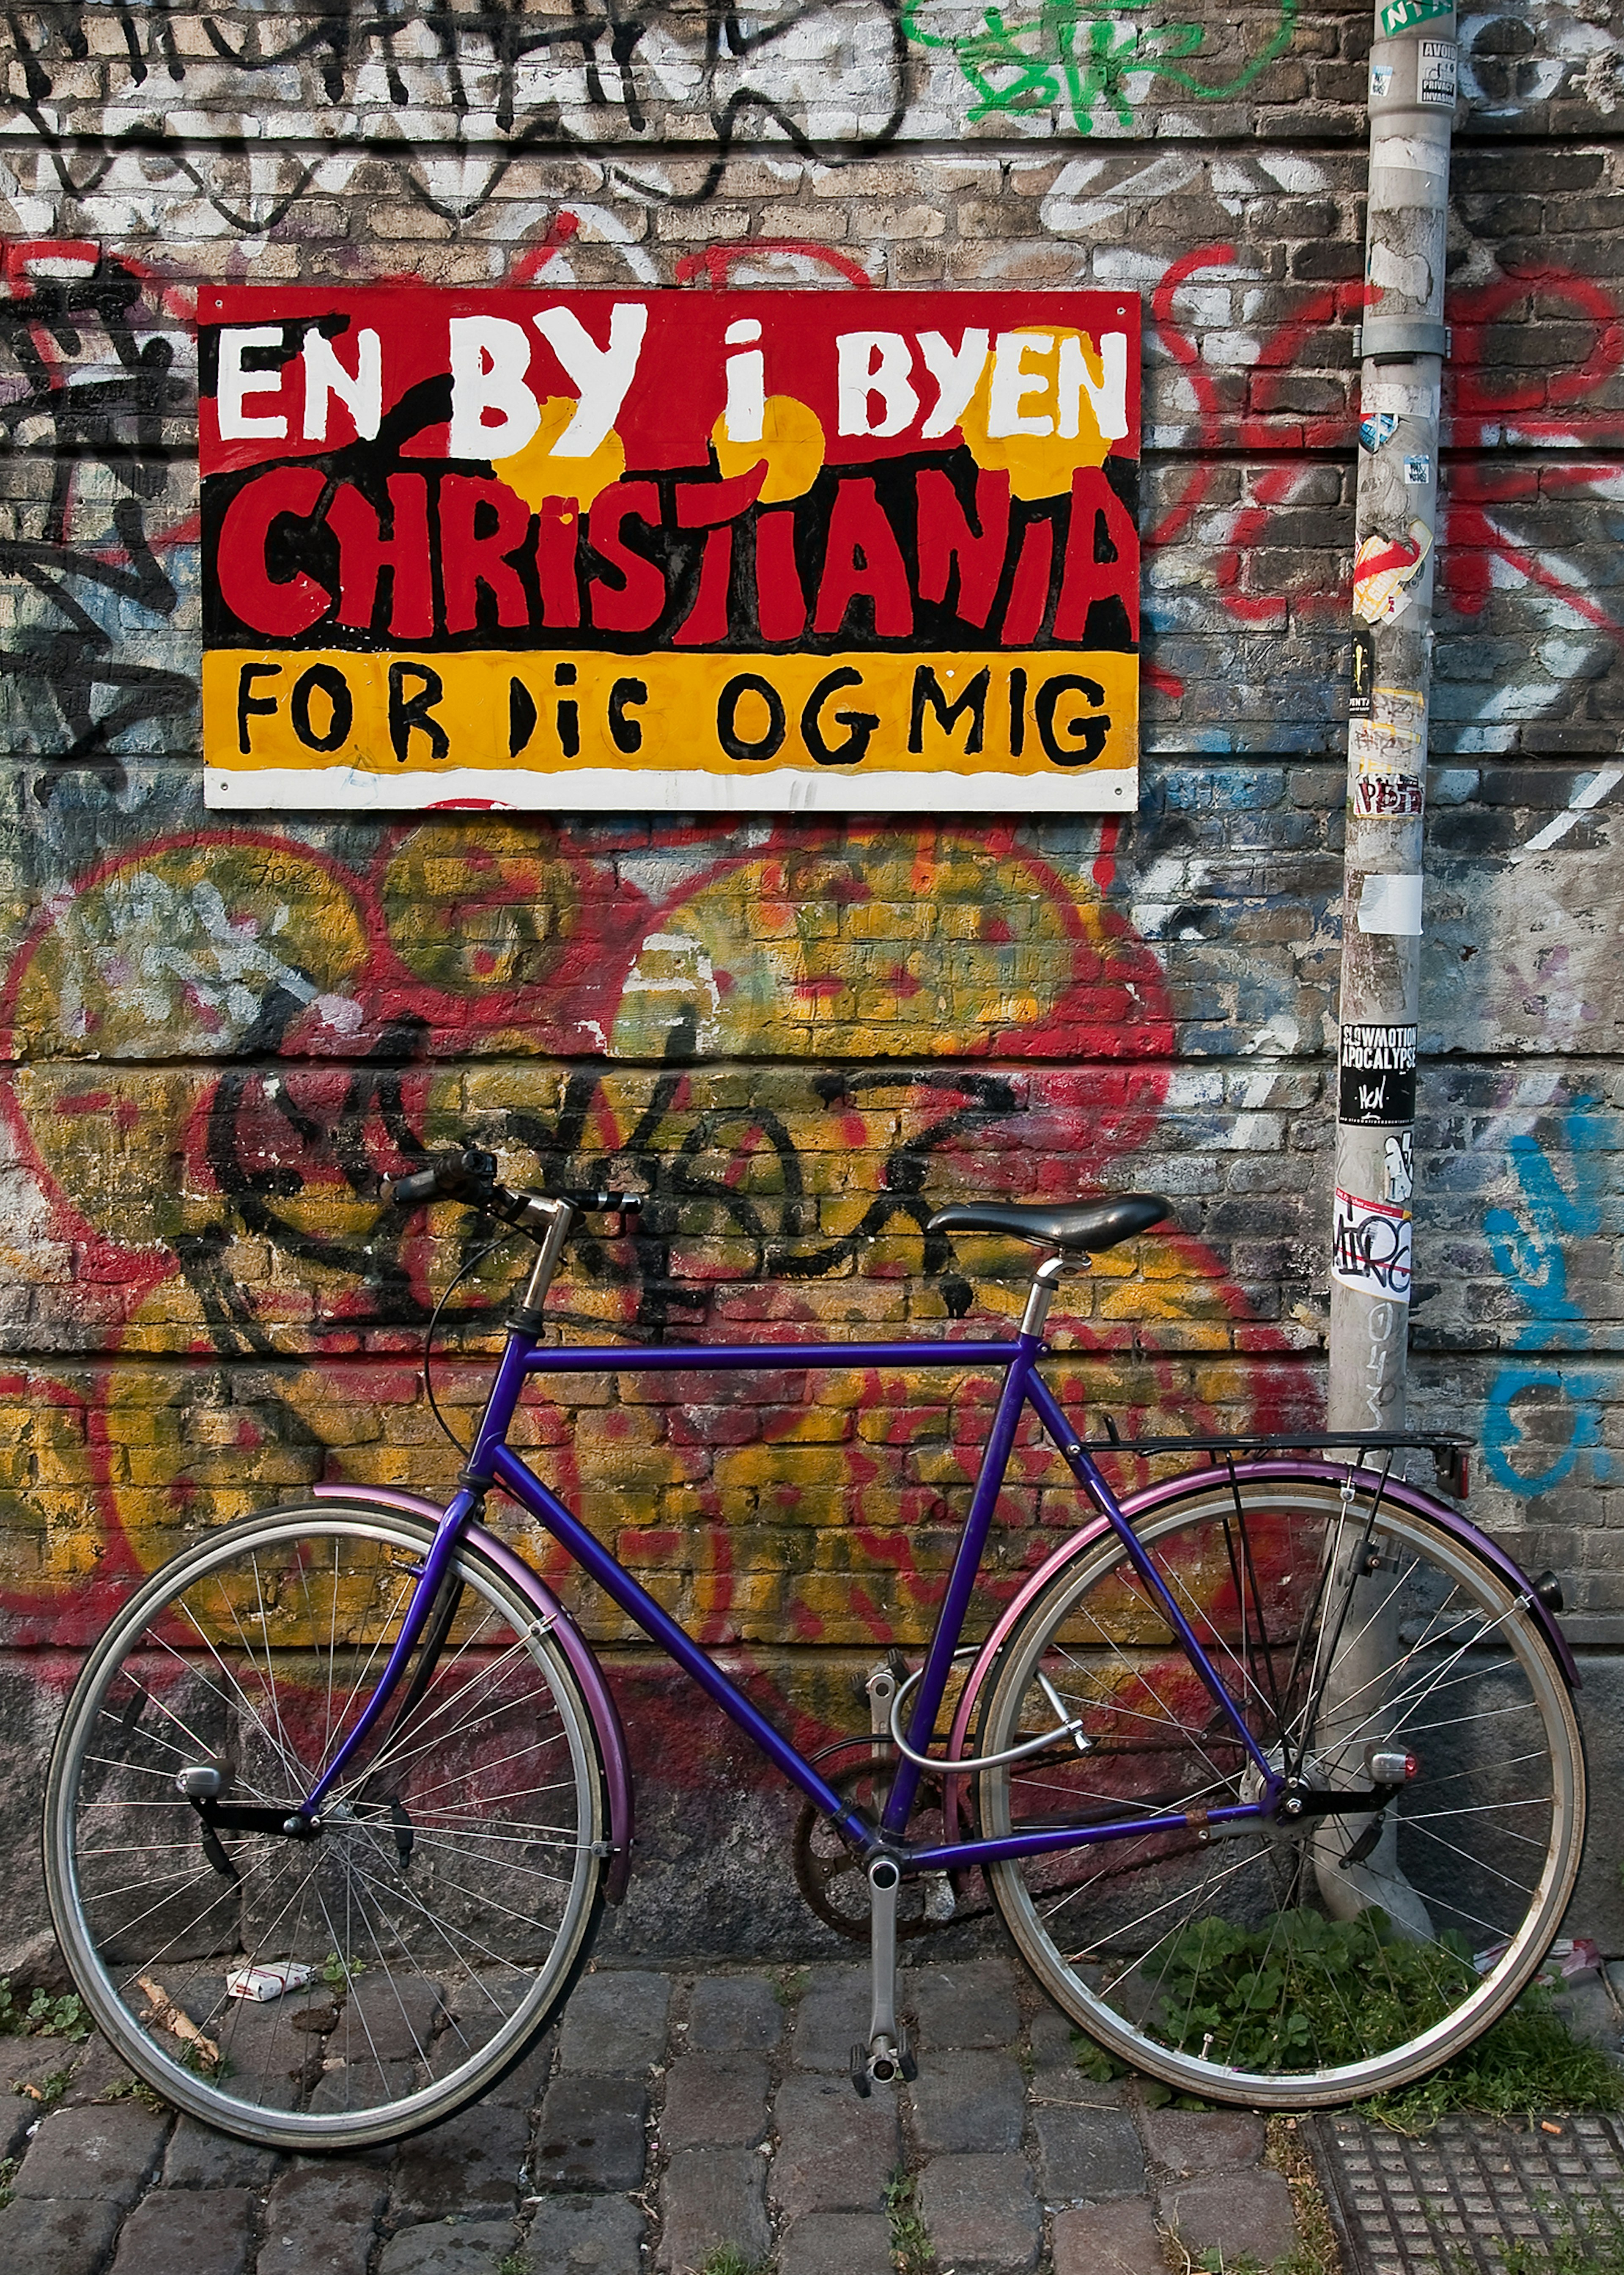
1450 1452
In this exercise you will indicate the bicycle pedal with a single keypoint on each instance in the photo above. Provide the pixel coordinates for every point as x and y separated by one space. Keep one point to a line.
861 2084
907 2064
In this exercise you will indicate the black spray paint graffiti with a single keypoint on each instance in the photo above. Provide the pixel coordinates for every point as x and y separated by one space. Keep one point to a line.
491 63
674 1159
90 390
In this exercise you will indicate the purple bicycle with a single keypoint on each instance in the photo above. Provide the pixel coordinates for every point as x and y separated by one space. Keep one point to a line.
1272 1769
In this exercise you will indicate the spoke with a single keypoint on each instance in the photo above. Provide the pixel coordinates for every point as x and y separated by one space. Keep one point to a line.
1169 1719
199 1745
341 1947
422 1722
529 1872
485 1951
137 1848
1155 1912
497 1800
154 1957
247 1707
404 1592
541 1836
1478 1863
288 1754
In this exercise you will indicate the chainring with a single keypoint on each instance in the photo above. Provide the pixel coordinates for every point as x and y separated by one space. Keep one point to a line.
832 1877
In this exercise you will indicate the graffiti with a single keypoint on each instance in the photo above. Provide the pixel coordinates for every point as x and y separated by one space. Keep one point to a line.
1482 550
529 82
488 87
94 382
240 1211
1544 1416
1093 59
1371 1243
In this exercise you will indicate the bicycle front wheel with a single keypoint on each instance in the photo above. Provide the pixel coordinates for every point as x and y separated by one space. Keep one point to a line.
337 1991
1293 1964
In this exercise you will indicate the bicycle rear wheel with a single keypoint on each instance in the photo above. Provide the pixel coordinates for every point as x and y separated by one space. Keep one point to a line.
428 1932
1298 1964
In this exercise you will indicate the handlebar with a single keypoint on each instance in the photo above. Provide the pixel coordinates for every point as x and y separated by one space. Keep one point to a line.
469 1175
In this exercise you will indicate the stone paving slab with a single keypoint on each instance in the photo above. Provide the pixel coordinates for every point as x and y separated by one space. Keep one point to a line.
671 2111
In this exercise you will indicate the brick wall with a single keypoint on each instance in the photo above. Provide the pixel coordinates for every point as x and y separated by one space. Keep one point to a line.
798 1038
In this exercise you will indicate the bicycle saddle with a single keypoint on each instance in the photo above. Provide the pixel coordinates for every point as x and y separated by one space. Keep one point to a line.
1089 1226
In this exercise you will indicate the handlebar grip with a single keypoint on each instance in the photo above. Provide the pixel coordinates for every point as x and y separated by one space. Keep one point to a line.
604 1202
412 1191
466 1175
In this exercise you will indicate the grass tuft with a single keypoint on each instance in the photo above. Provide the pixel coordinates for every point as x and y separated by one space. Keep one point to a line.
727 2259
1302 1991
911 2251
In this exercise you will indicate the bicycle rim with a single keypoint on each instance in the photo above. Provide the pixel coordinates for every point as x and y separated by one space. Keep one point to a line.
1302 1964
412 1951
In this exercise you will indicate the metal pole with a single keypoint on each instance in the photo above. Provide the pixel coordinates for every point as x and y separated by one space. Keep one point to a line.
1401 347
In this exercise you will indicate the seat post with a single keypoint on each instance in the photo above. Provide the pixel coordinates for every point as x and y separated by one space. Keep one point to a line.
1040 1295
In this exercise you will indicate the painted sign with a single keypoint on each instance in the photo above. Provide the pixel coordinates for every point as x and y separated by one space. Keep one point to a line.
667 550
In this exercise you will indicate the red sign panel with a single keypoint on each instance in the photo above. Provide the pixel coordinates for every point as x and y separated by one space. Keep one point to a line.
822 551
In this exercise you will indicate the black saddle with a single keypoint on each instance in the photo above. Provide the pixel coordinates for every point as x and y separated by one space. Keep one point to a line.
1086 1226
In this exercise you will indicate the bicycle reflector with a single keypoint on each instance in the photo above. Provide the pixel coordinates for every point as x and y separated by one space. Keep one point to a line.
1386 1765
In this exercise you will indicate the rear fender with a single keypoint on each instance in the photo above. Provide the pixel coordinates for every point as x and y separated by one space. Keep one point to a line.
1156 1496
583 1664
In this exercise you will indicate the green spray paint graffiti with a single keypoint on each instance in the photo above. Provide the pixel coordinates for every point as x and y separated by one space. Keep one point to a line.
1092 56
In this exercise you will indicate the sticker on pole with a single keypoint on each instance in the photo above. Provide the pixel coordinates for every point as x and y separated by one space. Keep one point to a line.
1380 427
1383 569
1387 783
1371 1247
1435 74
1403 15
1377 1077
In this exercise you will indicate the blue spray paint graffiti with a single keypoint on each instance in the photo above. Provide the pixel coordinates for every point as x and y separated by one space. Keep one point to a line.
1528 1245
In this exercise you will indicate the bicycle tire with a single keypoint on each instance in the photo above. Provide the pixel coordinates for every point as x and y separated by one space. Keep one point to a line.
1290 1967
451 1897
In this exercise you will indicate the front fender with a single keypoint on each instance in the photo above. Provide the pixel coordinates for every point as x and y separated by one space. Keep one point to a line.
583 1663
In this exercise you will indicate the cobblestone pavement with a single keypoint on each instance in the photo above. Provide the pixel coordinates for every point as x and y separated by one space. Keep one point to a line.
669 2112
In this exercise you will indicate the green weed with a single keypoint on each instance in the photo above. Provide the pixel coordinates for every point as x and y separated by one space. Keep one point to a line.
1595 2247
514 2263
135 2089
911 2252
790 1985
41 2013
1095 2061
49 2091
1301 1991
8 2175
1527 2063
727 2259
1301 1988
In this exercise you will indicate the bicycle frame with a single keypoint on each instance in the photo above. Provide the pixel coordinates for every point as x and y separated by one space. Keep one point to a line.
491 1462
